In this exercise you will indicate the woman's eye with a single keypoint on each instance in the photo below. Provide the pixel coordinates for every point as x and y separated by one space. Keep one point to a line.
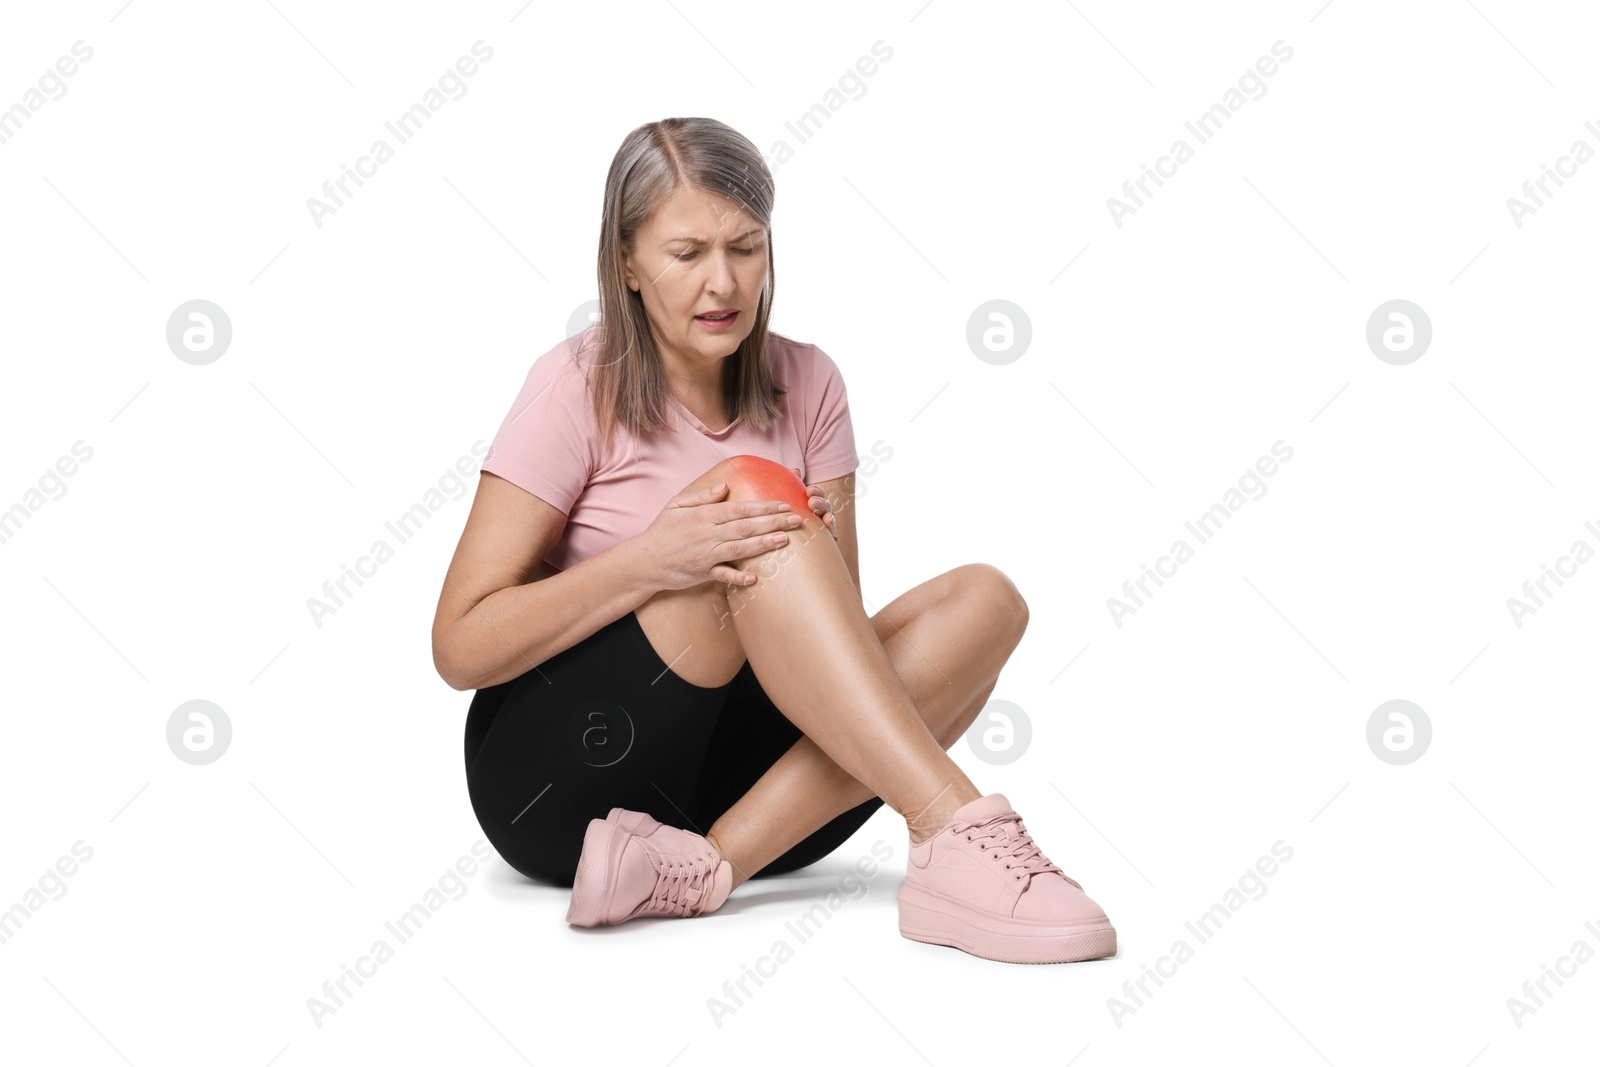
741 251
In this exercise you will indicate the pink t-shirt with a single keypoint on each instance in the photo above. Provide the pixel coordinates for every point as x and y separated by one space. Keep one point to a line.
549 445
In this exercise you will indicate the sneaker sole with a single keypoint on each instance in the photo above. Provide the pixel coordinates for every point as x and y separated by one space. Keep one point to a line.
594 884
935 920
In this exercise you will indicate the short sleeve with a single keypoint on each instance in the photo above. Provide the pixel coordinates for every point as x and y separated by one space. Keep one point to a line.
548 443
830 444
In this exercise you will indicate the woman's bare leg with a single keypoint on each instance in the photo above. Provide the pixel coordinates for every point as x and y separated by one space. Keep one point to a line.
814 651
805 789
931 636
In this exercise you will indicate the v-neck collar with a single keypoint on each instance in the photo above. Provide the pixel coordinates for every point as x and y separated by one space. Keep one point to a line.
694 420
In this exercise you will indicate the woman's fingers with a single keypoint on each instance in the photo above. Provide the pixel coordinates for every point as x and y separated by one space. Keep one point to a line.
823 507
733 510
700 496
754 546
749 518
731 576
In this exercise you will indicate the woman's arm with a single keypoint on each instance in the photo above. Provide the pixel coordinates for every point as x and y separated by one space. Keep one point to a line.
841 493
503 611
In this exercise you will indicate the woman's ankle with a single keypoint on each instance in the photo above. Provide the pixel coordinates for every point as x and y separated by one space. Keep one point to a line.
739 877
927 820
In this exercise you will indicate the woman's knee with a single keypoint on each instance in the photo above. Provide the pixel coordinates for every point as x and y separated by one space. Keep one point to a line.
999 596
757 478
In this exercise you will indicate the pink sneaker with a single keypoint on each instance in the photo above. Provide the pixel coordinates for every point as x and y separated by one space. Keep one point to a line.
981 885
633 866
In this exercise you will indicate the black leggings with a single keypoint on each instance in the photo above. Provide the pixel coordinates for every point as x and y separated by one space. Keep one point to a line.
606 723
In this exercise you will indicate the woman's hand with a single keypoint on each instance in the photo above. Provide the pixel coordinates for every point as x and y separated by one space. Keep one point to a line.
824 510
697 533
821 506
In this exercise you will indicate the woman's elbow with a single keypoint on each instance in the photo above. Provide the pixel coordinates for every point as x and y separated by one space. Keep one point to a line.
448 664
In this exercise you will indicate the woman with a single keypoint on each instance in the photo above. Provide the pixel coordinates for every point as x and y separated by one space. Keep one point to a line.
656 599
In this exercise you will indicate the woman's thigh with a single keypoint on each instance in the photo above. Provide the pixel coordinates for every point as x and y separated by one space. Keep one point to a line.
690 629
603 724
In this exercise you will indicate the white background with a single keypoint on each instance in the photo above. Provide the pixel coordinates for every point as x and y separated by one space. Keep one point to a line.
1229 713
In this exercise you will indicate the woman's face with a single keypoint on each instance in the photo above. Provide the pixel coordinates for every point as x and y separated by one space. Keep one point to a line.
699 253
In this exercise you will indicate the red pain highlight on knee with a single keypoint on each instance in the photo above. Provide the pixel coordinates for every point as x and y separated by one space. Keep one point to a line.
767 480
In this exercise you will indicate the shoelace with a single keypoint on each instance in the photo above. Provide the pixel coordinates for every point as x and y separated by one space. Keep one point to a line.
1015 845
680 883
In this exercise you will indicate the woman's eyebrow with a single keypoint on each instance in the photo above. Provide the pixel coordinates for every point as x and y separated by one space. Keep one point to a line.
696 239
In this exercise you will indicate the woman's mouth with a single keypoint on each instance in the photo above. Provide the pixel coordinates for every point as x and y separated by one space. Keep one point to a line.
717 320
